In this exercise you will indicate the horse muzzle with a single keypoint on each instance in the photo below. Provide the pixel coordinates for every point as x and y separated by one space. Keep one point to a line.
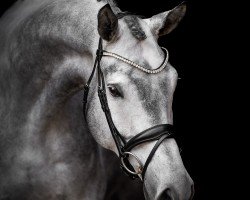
166 177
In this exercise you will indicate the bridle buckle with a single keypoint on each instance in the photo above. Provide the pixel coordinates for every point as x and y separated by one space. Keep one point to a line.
99 53
125 167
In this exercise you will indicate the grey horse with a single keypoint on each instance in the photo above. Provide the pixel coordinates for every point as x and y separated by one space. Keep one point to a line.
47 149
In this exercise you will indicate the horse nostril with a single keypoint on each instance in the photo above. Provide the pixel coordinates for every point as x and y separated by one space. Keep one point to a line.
166 195
169 194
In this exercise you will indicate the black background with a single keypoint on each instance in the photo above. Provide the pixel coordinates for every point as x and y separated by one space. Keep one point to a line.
199 111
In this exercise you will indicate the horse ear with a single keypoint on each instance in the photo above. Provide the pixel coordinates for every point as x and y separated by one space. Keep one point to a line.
164 23
107 23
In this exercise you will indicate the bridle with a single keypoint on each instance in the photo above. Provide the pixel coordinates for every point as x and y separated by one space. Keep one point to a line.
157 133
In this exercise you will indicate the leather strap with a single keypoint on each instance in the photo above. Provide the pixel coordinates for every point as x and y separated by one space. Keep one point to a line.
151 134
87 85
152 153
159 132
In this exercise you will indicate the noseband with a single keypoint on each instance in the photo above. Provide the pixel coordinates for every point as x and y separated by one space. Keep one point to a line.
157 133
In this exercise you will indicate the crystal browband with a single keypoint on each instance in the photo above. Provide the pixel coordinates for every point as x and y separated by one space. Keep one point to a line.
149 71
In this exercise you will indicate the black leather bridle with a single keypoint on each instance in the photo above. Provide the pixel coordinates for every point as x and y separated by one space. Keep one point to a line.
157 133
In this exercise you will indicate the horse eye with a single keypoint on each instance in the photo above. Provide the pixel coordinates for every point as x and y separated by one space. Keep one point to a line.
114 91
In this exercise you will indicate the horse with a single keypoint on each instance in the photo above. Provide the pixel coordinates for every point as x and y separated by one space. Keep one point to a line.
48 149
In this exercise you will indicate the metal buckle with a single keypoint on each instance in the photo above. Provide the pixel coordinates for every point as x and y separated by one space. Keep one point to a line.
139 169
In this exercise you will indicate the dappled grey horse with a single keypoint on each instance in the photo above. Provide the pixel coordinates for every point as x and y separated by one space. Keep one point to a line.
47 148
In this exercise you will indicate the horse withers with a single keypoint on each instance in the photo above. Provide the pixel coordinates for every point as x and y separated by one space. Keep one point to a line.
48 149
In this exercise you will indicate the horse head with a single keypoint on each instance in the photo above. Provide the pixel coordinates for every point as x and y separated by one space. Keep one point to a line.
139 100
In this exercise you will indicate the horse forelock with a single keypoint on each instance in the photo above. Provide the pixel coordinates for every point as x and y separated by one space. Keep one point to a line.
113 5
134 26
131 20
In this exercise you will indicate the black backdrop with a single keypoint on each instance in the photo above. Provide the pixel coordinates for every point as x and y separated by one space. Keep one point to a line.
197 105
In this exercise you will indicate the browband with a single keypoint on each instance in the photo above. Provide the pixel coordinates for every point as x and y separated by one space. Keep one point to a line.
149 71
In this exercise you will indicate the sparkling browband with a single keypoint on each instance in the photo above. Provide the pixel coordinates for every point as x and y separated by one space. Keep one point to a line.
149 71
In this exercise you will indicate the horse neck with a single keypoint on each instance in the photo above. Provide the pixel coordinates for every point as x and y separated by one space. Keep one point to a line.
50 53
50 57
